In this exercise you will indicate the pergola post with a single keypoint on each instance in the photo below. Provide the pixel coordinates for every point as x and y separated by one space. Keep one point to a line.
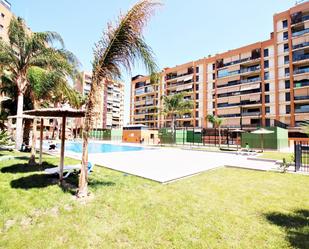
41 139
62 147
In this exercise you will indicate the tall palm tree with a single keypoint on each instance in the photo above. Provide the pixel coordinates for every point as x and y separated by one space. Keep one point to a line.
175 105
216 122
25 50
121 45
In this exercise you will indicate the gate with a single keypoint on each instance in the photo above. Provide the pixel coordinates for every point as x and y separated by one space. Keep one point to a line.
301 155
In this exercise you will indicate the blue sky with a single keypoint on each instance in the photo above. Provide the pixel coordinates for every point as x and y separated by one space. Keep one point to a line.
181 31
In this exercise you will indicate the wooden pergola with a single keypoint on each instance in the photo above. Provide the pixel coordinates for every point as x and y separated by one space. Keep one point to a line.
63 113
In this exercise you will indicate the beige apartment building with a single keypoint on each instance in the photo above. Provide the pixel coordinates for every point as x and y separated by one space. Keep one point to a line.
262 84
111 108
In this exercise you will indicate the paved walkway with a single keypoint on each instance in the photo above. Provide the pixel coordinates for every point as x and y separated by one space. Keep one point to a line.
165 165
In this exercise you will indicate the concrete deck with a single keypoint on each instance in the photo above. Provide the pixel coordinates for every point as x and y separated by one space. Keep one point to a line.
166 165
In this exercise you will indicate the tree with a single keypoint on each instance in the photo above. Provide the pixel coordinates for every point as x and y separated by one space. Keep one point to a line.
175 105
120 47
216 122
25 50
49 87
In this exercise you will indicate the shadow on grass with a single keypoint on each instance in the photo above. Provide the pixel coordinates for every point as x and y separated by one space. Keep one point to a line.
296 226
26 168
42 181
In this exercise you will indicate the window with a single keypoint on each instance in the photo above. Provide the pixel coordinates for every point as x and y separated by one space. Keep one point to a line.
266 98
213 66
196 96
2 15
196 87
267 109
213 76
197 78
286 59
288 109
287 71
266 75
285 35
267 87
266 64
213 105
197 69
287 84
266 52
285 24
196 114
286 47
213 85
287 96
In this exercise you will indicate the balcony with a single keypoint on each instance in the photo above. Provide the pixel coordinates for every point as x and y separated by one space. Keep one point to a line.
300 57
301 32
250 69
301 97
301 70
244 114
301 45
301 84
299 19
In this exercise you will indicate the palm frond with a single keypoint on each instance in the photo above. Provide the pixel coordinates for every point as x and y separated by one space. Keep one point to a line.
123 44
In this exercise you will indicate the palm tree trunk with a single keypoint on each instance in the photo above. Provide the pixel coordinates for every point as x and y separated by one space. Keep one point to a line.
173 126
91 114
19 121
33 144
219 129
26 131
83 177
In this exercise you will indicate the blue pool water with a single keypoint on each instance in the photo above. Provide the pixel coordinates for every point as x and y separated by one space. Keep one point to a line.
99 148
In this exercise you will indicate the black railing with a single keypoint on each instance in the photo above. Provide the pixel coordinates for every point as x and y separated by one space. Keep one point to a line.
301 156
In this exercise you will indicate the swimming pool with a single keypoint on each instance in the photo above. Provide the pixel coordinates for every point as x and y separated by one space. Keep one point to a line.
77 147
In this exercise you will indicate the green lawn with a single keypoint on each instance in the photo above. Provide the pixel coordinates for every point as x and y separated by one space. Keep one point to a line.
224 208
276 155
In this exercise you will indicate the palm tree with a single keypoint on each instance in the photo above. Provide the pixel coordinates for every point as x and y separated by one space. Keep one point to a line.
49 87
216 122
175 105
121 45
25 50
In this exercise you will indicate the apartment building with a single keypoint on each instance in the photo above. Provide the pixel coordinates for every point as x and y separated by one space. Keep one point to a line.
265 83
111 109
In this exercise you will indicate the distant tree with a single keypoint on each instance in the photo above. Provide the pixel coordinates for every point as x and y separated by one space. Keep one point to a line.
174 106
216 122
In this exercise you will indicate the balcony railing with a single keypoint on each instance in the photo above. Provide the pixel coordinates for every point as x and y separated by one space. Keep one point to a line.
301 97
300 57
301 45
301 84
240 82
251 113
239 61
301 32
250 69
301 70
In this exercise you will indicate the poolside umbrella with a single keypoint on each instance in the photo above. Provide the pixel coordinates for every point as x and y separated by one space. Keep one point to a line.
238 131
62 112
262 132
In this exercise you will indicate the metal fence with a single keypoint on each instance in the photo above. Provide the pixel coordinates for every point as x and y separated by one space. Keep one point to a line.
301 156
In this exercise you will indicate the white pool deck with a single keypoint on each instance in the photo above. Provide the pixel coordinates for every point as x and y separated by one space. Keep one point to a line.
168 164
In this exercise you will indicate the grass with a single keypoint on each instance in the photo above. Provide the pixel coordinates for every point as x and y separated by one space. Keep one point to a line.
224 208
276 155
